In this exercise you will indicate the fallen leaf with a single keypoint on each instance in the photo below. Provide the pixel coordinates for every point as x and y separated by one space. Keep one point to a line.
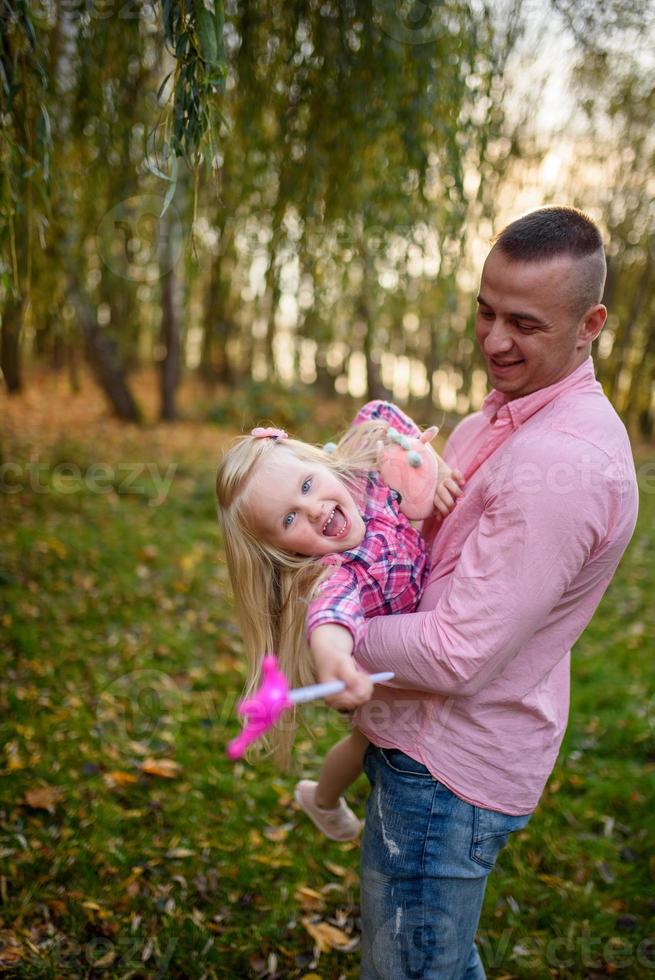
43 798
325 936
10 954
336 869
14 760
118 778
179 852
309 898
277 834
105 960
166 768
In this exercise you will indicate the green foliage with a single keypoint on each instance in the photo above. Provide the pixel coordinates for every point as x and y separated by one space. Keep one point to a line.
26 145
355 154
257 402
195 37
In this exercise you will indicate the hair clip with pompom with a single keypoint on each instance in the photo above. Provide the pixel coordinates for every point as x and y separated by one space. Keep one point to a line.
269 433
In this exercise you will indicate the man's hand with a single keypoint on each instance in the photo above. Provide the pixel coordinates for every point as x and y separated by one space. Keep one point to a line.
332 648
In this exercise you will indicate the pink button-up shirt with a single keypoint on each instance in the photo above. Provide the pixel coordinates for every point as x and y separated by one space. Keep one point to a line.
481 693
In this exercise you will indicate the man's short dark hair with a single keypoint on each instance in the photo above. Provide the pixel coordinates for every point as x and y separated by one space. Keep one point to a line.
547 233
554 232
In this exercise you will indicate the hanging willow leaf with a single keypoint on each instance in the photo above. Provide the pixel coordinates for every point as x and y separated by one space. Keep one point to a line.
170 193
206 33
195 34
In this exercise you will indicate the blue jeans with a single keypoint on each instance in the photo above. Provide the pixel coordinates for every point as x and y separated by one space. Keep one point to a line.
425 859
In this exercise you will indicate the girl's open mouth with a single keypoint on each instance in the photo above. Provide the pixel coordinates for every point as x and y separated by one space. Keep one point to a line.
337 524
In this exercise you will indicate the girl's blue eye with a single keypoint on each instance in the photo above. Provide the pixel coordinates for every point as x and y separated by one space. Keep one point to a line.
288 520
306 487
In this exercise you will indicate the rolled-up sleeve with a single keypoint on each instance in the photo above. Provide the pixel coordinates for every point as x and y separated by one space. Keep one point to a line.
337 600
514 568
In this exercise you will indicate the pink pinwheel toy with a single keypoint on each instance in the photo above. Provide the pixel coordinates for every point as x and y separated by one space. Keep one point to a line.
265 706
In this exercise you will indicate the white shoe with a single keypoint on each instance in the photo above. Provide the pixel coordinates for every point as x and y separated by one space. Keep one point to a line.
337 824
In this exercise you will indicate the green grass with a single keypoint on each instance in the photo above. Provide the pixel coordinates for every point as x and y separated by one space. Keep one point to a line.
118 647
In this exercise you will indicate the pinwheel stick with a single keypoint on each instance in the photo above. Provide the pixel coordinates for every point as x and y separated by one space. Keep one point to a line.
263 708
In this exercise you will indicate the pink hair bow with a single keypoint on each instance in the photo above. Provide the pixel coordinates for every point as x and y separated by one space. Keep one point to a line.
270 433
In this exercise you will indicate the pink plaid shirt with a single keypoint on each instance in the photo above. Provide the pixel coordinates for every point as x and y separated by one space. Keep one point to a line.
386 572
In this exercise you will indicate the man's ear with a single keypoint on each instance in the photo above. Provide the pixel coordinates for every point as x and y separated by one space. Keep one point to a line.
591 324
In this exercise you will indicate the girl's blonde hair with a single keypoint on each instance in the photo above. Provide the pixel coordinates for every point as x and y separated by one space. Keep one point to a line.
272 588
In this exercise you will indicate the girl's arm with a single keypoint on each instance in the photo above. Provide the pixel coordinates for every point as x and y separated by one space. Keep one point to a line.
332 647
335 623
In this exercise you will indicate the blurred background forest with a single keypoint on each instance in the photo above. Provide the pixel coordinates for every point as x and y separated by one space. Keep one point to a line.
302 194
218 215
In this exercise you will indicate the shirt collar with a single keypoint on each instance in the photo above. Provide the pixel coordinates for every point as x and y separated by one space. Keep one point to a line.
497 408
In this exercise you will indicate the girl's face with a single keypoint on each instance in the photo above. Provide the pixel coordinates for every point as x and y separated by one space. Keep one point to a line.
302 507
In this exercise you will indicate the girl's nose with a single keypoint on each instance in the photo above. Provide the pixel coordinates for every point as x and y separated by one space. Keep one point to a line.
315 513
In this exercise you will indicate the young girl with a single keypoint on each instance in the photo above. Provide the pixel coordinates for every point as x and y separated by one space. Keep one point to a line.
282 505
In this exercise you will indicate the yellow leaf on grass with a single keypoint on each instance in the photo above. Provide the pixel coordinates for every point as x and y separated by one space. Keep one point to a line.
325 936
336 869
14 760
309 898
166 768
179 852
105 960
118 778
10 954
43 798
276 834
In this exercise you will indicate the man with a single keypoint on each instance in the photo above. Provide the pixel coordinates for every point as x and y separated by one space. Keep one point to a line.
466 736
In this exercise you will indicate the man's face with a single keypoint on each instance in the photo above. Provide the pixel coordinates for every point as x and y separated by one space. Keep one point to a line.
524 325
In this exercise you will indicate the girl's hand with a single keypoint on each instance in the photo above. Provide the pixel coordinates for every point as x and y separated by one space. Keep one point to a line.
332 647
448 490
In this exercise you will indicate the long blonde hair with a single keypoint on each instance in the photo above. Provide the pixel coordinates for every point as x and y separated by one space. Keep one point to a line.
272 588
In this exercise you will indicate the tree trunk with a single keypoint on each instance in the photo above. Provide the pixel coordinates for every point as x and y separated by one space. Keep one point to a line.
324 379
374 386
102 352
12 322
170 337
215 364
621 355
638 411
272 298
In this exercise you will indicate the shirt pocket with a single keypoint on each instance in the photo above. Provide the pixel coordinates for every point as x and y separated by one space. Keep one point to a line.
491 830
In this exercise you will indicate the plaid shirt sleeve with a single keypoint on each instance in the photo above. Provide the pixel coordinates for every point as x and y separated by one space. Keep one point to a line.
388 413
338 600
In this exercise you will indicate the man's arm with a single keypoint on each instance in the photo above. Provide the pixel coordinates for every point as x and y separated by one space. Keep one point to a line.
527 549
